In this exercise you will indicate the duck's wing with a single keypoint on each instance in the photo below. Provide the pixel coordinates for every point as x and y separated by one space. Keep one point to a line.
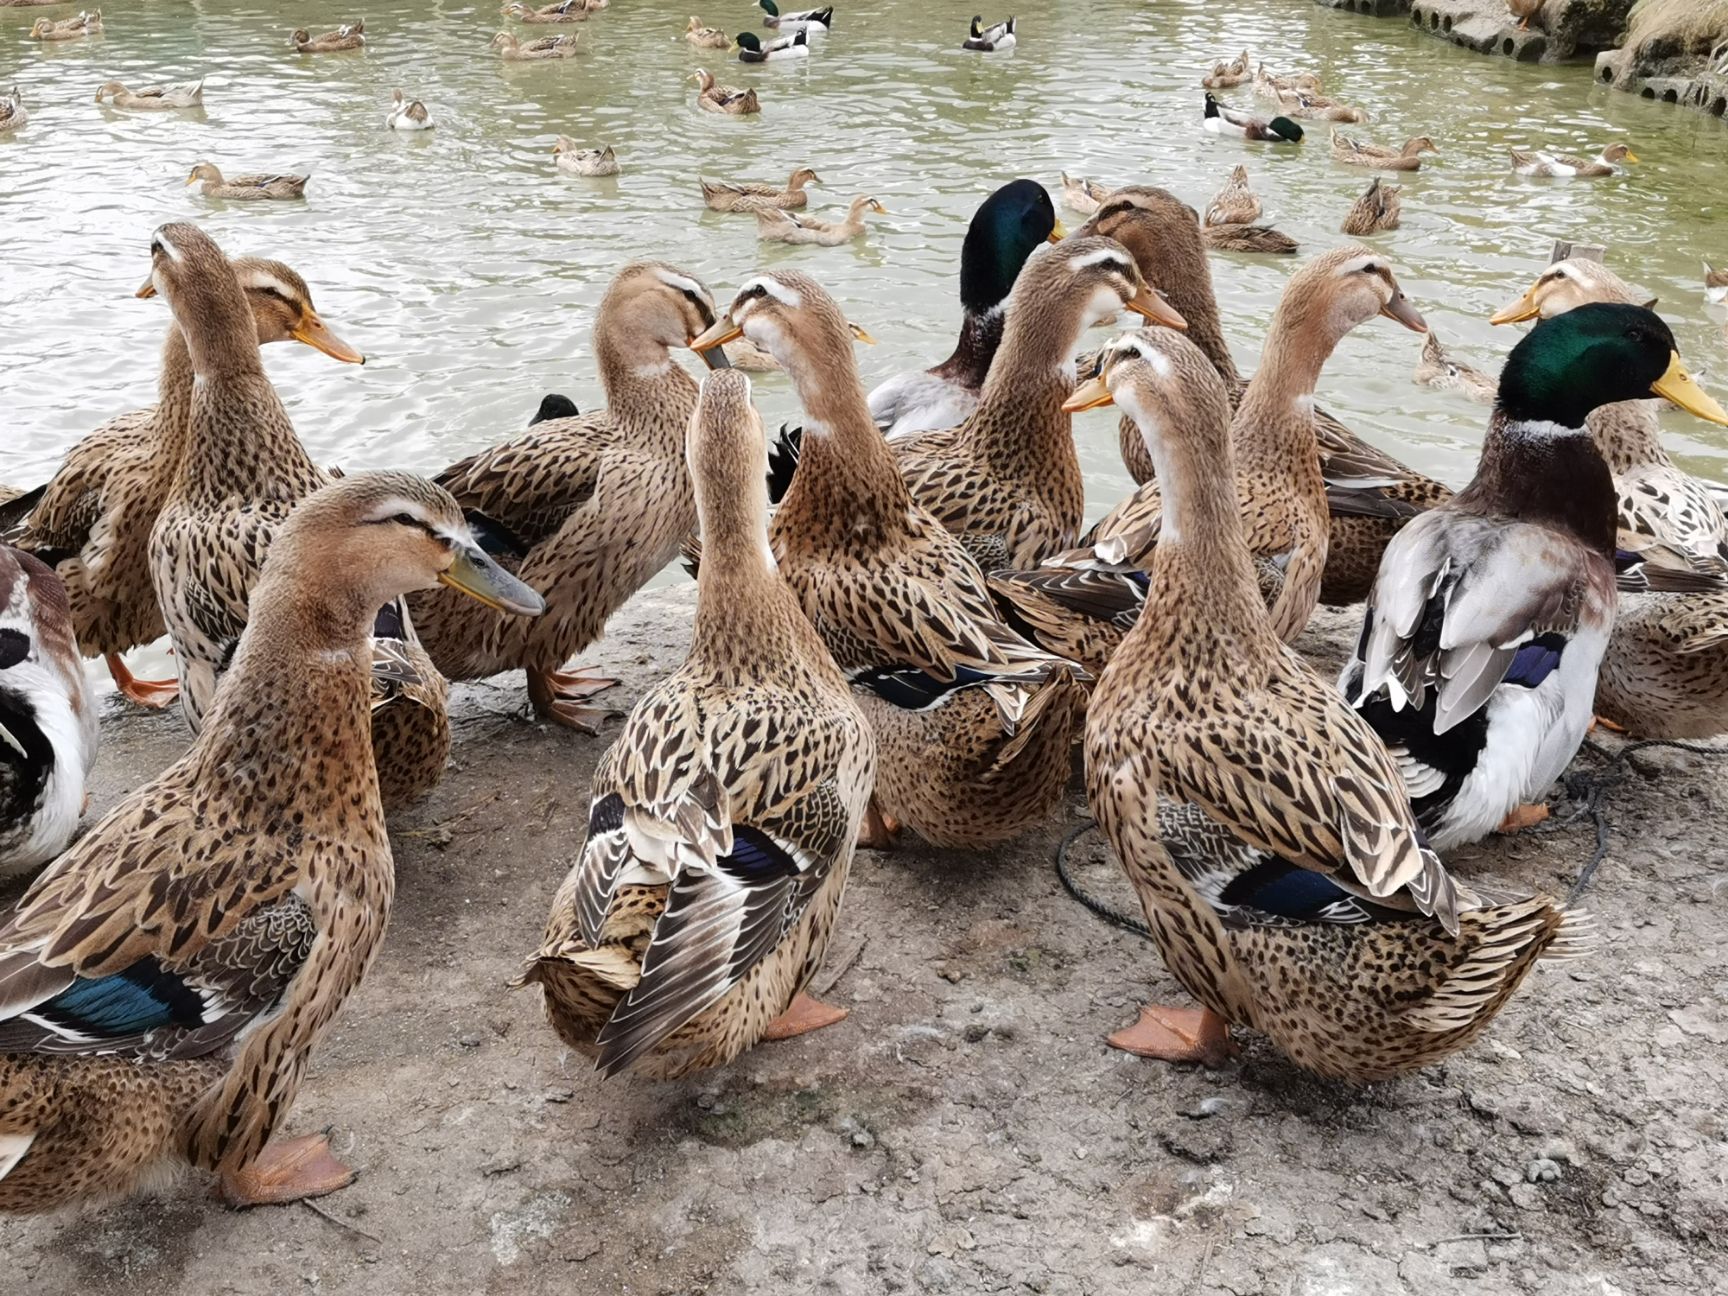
531 485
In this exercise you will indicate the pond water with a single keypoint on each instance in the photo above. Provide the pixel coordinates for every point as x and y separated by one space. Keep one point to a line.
468 269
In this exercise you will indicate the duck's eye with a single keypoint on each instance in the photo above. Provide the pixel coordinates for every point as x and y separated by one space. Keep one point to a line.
406 519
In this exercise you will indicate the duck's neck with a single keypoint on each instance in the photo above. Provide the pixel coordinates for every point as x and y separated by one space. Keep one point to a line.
749 628
645 388
1192 296
846 478
174 401
1274 423
239 441
980 336
1547 474
1019 425
1628 436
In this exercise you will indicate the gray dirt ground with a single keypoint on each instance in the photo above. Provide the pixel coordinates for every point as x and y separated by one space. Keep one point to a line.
965 1130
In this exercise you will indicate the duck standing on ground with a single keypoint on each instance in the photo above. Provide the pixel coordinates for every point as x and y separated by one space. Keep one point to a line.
988 40
594 506
1261 823
723 820
973 724
1539 163
1379 208
1479 653
246 188
167 981
1008 227
1219 120
48 731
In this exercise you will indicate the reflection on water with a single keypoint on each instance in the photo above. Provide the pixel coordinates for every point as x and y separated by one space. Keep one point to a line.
468 268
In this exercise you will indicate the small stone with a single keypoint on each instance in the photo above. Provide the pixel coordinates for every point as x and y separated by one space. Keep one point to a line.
1207 1107
1525 1197
469 1041
1542 1170
976 1031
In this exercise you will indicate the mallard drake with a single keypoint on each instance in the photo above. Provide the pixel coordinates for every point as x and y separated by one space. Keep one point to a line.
973 724
1248 238
1524 11
1317 107
1219 120
1354 152
81 24
1080 195
1224 76
92 519
407 114
240 472
1439 370
713 97
1379 208
168 980
184 94
1261 823
1665 672
540 49
1008 227
1236 203
576 160
812 20
48 731
752 49
1539 163
731 802
1715 285
989 40
567 11
246 188
706 37
12 114
775 225
553 405
729 195
1007 481
1269 86
346 37
1487 624
595 505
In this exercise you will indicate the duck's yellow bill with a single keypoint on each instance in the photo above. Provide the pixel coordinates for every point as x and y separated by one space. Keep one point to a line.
1682 388
1525 308
316 334
861 335
481 579
1632 158
1091 394
718 334
1057 233
149 288
1150 304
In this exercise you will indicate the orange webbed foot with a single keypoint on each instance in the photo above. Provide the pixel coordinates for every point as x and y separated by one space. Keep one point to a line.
287 1170
1177 1035
806 1013
1521 817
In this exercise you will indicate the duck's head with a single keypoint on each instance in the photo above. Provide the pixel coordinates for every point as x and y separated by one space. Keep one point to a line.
202 290
564 144
41 27
107 88
281 307
656 307
204 171
1563 286
1007 227
1619 153
1419 144
300 37
1342 288
704 79
1094 278
725 448
864 203
977 26
1285 129
503 40
1161 380
801 177
371 537
792 317
1597 354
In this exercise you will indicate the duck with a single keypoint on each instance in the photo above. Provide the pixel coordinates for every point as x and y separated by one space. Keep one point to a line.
81 24
1263 827
706 37
1715 285
733 195
240 472
91 520
245 188
156 98
1082 196
1488 621
1538 163
540 49
1665 672
576 160
348 36
407 114
595 506
973 723
170 978
1280 482
713 97
1379 208
1236 203
48 722
554 405
1007 482
12 112
1009 225
1269 86
989 40
1524 11
731 801
1225 76
568 11
1302 104
1248 238
1220 120
1354 152
1438 369
751 48
774 225
817 21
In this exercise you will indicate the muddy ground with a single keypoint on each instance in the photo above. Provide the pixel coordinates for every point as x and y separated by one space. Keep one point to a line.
965 1130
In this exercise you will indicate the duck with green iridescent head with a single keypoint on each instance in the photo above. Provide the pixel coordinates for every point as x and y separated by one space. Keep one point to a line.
1489 618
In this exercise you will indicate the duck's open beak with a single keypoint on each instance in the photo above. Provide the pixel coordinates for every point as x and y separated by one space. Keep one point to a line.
1400 309
1150 304
1682 388
1525 308
1058 232
1091 394
316 334
709 342
483 580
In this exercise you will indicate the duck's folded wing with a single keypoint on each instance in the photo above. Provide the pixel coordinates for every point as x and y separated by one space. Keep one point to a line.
530 485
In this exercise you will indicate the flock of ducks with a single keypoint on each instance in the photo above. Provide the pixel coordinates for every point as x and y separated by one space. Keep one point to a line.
901 626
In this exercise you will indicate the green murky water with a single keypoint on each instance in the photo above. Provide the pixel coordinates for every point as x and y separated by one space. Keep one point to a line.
468 269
